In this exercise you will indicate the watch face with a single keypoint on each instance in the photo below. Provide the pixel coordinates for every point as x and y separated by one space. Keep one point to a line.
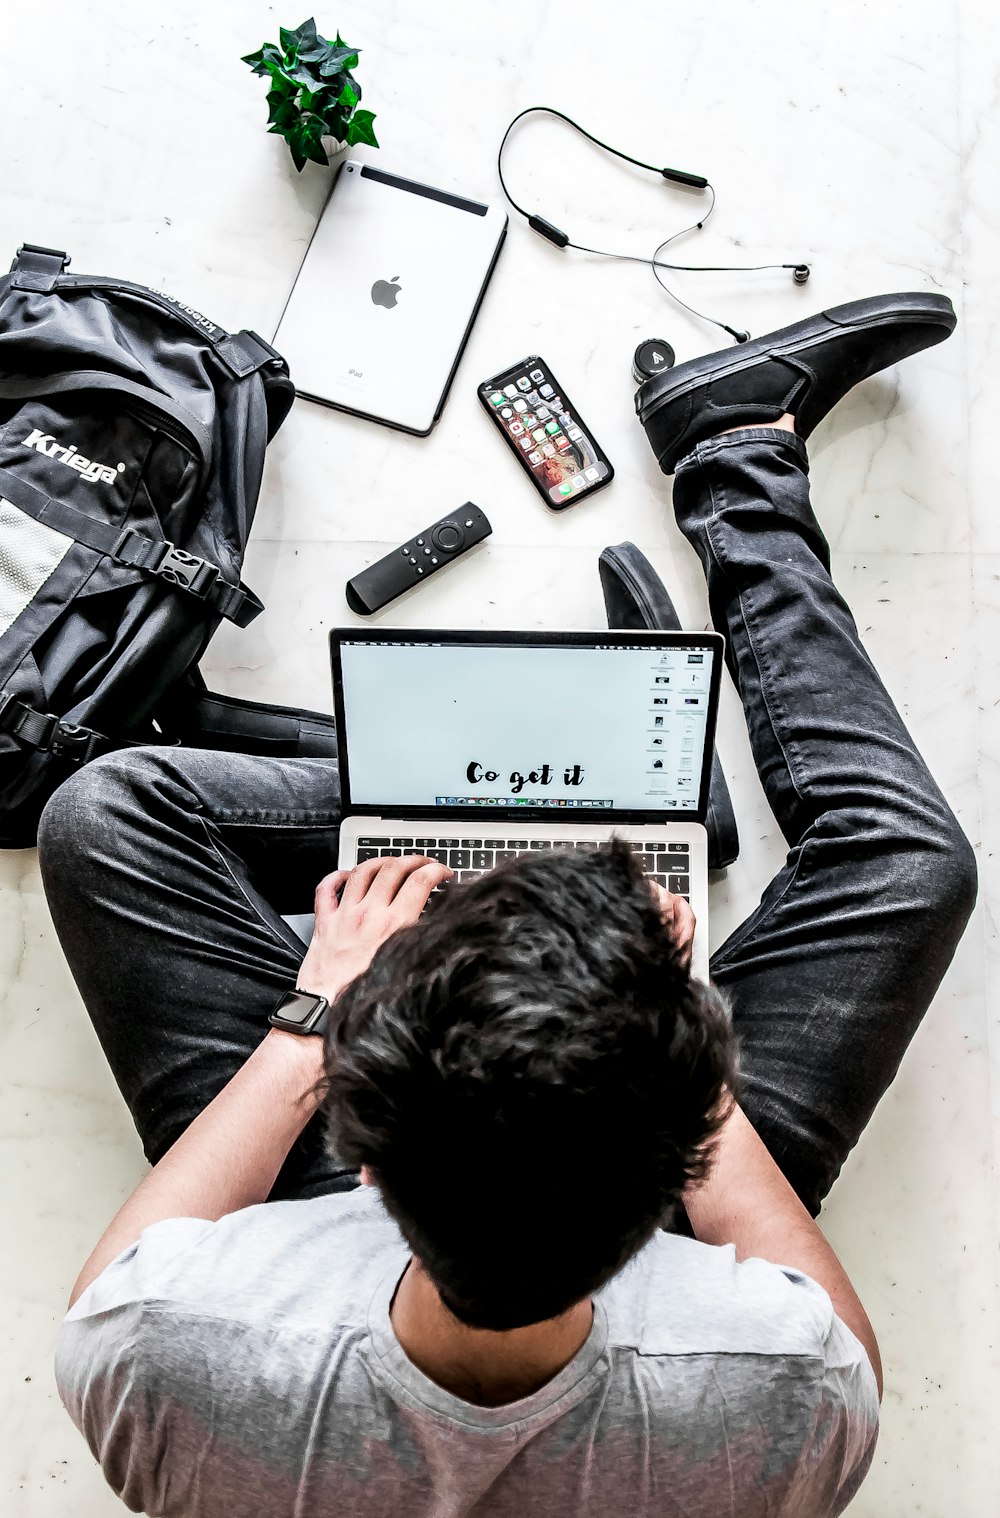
298 1009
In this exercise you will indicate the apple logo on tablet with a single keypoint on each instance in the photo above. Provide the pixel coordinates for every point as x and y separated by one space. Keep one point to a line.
384 292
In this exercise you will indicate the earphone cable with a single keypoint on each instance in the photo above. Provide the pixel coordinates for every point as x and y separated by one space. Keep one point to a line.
551 111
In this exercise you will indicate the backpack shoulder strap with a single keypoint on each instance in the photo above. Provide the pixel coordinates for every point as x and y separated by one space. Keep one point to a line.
246 353
200 718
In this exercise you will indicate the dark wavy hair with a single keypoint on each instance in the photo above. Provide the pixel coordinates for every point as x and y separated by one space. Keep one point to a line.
532 1080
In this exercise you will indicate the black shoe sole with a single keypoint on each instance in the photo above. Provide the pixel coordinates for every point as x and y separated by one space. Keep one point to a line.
876 311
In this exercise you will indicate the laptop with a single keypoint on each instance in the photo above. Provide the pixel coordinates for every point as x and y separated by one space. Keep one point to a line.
386 296
474 747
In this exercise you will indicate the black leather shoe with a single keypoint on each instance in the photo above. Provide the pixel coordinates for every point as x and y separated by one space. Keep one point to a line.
805 369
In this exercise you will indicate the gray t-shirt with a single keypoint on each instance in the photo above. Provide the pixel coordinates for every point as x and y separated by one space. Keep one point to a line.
249 1367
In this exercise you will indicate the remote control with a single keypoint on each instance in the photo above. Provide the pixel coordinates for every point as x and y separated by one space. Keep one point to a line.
417 559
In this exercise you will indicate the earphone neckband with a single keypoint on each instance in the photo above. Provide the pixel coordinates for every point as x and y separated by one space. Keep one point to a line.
561 239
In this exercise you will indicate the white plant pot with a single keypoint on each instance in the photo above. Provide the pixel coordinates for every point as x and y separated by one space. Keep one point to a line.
335 150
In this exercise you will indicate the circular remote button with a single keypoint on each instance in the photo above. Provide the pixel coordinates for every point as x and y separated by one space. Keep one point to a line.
651 358
448 537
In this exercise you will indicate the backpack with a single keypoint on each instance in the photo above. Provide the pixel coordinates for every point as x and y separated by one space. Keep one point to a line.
132 437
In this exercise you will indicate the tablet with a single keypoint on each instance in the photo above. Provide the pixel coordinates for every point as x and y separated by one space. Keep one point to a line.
386 296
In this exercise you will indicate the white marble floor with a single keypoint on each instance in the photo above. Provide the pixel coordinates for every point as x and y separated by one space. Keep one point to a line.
862 138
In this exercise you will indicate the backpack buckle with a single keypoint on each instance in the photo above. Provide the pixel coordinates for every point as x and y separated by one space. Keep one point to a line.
187 571
71 742
31 255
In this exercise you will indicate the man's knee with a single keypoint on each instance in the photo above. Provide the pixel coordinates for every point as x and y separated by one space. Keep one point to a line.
931 872
957 875
94 807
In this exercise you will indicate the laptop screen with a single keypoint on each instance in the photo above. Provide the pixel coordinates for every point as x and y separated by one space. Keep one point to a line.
530 726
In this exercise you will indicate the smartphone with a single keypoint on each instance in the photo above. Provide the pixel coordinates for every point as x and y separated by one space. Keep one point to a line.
544 430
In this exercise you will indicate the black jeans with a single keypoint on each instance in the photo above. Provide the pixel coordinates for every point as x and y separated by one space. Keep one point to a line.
166 870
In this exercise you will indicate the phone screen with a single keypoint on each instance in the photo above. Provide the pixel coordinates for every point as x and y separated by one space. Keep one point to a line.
544 430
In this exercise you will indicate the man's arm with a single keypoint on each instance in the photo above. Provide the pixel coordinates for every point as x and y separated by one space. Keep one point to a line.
746 1201
229 1157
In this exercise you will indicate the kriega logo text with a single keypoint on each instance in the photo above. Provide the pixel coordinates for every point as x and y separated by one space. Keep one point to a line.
196 316
88 469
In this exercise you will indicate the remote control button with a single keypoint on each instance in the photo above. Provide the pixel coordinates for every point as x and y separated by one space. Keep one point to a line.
433 560
412 559
405 551
419 570
420 542
468 521
427 550
448 537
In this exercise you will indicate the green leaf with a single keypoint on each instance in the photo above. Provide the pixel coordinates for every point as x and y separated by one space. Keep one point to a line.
307 32
303 74
341 58
359 129
267 60
303 143
311 45
336 124
347 97
282 111
289 40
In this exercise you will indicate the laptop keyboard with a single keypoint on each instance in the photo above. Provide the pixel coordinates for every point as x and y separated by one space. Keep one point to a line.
668 863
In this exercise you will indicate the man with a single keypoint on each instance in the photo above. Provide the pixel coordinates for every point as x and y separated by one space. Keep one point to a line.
526 1079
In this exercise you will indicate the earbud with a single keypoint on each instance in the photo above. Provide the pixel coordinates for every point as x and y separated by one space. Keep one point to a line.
801 273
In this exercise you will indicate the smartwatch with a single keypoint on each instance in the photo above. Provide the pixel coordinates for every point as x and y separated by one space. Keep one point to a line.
301 1012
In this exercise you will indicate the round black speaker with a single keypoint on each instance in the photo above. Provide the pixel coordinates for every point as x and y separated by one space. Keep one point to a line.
651 358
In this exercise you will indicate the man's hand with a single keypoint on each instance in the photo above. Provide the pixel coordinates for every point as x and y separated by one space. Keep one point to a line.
357 910
678 919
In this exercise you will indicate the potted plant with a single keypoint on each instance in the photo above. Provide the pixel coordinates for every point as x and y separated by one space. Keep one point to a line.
313 96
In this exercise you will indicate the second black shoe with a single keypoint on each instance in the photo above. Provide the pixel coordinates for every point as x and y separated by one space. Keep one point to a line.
805 369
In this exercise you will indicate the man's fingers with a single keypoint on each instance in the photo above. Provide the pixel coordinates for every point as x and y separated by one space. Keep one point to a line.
359 879
328 892
677 917
683 929
386 884
417 887
663 899
380 878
